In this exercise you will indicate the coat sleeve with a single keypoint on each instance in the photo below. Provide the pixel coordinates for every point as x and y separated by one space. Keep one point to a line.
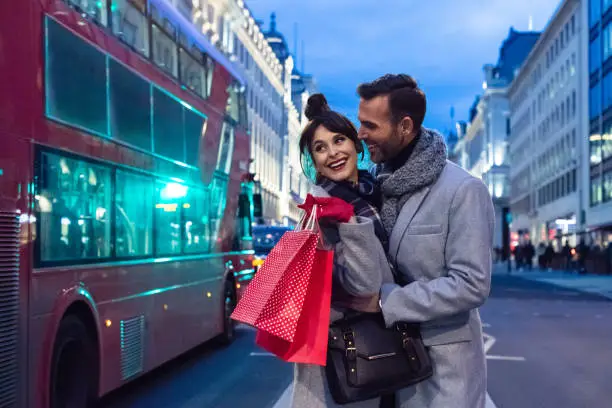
468 259
360 261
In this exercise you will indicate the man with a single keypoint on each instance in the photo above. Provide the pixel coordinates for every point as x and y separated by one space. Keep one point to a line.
440 221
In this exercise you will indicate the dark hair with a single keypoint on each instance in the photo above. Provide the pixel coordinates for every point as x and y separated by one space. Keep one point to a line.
405 96
319 113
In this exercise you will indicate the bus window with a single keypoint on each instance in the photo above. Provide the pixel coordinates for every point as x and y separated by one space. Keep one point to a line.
218 200
226 149
196 221
73 66
134 215
168 218
244 231
73 205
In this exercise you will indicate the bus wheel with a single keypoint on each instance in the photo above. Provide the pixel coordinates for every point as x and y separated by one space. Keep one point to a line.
74 372
229 304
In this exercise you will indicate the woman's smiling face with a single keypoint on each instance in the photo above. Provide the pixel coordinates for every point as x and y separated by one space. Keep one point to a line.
334 155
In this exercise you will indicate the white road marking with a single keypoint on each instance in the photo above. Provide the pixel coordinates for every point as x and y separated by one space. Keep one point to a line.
261 354
504 358
285 399
489 341
489 402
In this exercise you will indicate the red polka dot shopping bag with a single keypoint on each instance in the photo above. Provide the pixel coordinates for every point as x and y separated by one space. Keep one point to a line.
288 300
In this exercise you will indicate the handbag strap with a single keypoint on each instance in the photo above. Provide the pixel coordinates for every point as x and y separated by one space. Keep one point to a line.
350 353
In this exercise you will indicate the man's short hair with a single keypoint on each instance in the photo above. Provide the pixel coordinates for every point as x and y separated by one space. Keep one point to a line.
405 96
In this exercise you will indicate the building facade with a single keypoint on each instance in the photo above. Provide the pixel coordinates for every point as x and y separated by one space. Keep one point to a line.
598 174
263 58
482 145
294 185
547 129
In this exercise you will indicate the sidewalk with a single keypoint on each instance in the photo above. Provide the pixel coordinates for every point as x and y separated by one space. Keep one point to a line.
596 284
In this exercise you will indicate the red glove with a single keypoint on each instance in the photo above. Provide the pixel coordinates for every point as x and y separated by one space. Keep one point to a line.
307 205
330 208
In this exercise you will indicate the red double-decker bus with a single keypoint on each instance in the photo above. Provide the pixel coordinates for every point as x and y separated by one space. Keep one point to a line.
125 201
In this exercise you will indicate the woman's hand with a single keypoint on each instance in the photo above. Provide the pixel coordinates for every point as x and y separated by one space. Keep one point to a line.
336 209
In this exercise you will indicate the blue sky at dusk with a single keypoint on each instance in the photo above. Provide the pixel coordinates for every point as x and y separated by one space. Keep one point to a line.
442 43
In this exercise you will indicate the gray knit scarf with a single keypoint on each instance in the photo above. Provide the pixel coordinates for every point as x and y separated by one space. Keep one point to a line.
420 170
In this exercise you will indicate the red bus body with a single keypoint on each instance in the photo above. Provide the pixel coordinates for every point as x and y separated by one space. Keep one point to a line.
141 310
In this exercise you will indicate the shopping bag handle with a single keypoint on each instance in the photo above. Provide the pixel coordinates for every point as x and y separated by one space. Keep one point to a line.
309 222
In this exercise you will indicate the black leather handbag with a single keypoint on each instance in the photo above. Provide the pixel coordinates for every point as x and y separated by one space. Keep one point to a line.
366 360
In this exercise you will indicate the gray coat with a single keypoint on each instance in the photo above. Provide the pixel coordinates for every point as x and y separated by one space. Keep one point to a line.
361 267
442 244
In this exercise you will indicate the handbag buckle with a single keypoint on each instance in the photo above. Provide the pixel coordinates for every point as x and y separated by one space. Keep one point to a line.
349 343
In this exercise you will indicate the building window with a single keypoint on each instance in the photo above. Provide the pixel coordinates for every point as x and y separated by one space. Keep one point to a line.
596 191
607 91
606 141
562 38
606 5
594 12
563 75
563 113
130 24
73 205
595 148
595 101
134 215
607 41
607 186
75 85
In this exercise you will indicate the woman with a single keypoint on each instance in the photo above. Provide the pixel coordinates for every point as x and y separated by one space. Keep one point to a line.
329 145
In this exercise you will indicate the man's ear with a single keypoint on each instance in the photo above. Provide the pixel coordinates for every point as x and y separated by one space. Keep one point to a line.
406 127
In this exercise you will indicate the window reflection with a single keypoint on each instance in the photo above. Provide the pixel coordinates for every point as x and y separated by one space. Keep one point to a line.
75 80
130 24
596 192
218 196
595 149
606 142
164 51
94 8
226 149
607 186
193 74
73 206
168 134
134 215
195 129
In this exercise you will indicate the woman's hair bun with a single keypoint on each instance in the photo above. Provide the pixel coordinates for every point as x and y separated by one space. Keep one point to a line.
316 105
